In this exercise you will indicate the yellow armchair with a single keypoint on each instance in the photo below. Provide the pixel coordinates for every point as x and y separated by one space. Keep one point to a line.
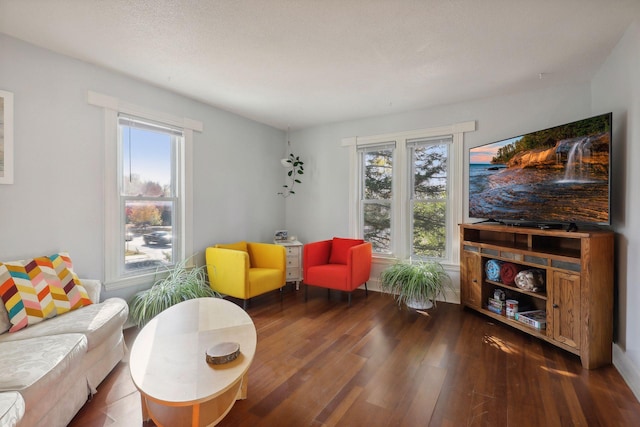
246 269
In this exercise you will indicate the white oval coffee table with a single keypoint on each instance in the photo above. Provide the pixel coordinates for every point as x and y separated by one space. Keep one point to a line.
168 362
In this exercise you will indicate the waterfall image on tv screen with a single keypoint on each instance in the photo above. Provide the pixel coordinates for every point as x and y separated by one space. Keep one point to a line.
556 175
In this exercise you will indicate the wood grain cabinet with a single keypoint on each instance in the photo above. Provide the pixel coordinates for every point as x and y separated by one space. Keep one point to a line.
577 268
471 277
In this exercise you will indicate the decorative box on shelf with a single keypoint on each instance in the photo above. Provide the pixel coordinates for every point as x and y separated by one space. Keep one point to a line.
294 260
536 318
495 309
496 305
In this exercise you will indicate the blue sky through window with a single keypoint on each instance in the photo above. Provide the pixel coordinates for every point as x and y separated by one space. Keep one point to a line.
146 154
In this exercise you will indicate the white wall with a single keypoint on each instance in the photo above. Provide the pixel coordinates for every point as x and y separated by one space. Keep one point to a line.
57 203
616 88
320 208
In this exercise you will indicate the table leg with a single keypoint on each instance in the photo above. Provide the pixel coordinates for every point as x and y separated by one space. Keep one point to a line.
195 415
145 410
242 392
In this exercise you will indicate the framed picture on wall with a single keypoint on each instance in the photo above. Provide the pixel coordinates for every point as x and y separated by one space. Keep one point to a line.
6 137
280 235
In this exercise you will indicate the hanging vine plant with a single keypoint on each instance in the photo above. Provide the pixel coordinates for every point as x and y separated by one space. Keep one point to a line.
297 169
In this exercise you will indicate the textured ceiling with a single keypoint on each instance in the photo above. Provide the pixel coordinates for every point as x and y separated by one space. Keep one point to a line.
308 62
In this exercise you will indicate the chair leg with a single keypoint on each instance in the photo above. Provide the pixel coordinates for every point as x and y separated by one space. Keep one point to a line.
328 293
366 291
245 304
349 305
306 292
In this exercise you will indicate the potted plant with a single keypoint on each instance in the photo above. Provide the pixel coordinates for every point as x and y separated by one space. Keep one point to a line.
296 168
416 284
181 283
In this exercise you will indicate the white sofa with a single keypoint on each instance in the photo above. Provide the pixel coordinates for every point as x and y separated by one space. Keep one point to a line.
55 365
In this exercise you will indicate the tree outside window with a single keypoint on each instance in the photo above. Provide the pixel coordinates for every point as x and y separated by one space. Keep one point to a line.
377 197
429 200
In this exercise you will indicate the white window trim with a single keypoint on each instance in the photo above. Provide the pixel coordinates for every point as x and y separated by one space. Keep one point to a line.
112 106
399 222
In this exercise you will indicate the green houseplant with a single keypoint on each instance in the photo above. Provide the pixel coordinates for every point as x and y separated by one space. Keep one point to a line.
416 284
296 168
180 284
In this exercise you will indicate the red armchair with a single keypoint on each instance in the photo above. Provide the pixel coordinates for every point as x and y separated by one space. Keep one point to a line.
341 264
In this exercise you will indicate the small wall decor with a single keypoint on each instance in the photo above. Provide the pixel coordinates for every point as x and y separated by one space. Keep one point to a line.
281 235
295 166
6 137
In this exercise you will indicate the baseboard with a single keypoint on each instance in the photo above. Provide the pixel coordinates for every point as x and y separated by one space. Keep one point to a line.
451 295
627 369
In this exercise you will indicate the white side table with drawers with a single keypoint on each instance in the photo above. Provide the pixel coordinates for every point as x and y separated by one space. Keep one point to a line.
294 260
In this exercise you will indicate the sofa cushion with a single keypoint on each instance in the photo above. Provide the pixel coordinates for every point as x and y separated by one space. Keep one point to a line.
69 294
36 289
97 322
26 295
238 246
93 290
340 249
332 276
35 367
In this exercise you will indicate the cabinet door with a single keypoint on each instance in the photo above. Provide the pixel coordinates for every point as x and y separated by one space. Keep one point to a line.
565 297
471 279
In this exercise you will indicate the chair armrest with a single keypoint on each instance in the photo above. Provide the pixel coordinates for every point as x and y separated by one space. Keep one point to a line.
228 271
267 255
359 263
94 288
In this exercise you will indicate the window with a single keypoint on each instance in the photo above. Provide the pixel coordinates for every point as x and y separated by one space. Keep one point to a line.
148 220
150 201
406 192
377 189
429 197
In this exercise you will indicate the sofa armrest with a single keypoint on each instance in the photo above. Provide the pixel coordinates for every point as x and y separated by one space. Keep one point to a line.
94 288
228 271
359 263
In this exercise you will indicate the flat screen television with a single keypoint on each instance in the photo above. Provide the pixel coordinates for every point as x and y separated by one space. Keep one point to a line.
552 177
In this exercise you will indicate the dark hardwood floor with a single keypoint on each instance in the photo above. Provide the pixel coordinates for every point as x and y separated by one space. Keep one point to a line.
321 363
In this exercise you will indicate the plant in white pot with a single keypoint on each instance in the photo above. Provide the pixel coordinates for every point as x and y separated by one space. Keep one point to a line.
416 284
295 168
180 284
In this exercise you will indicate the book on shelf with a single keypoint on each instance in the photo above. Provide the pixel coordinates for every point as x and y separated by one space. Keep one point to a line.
496 303
496 310
535 318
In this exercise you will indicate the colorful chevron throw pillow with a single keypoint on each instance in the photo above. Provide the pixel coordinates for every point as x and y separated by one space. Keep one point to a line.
40 288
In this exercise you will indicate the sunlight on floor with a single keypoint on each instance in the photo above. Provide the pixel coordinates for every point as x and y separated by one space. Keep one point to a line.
499 344
559 372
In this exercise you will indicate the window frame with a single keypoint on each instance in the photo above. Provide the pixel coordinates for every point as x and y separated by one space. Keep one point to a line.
411 199
113 216
401 213
175 199
362 151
